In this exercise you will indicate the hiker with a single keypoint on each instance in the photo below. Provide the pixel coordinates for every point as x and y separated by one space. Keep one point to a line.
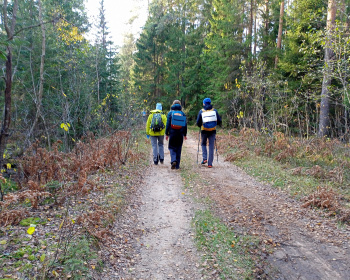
176 131
208 118
155 128
144 116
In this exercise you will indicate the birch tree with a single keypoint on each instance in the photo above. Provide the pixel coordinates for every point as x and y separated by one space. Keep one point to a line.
327 74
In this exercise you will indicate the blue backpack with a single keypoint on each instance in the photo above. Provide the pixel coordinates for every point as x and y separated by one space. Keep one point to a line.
178 120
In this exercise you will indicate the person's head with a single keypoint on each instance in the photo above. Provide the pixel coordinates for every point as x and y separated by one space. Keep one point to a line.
206 101
176 102
159 106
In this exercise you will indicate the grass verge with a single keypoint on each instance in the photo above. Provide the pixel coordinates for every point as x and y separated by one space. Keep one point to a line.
226 253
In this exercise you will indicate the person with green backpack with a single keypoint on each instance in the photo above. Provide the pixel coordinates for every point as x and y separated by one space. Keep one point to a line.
155 129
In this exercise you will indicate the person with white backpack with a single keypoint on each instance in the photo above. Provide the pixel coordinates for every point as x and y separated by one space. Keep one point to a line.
208 118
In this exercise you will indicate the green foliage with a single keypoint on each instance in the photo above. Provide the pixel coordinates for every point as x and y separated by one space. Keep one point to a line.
8 186
76 260
22 251
229 249
30 221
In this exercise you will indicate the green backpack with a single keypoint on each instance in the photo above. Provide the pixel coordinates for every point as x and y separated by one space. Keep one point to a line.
157 122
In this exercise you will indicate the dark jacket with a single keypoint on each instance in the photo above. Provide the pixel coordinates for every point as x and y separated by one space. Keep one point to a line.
200 122
175 135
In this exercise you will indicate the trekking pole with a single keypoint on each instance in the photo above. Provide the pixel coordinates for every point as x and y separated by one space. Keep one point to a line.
216 146
199 138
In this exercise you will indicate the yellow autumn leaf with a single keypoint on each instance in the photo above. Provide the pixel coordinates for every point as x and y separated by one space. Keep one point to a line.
3 242
8 165
31 230
61 224
54 272
73 222
93 267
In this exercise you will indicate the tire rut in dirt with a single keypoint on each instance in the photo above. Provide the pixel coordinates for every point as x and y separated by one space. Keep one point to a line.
303 249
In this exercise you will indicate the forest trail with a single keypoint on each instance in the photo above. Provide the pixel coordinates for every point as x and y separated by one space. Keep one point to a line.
167 249
306 246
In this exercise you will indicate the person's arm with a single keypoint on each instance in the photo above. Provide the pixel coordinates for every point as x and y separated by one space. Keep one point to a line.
199 119
219 118
164 119
185 128
148 124
167 128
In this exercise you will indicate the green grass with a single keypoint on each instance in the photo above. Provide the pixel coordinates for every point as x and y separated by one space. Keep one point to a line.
276 174
32 221
225 250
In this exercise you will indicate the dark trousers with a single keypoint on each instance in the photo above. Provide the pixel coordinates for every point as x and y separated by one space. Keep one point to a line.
211 139
175 155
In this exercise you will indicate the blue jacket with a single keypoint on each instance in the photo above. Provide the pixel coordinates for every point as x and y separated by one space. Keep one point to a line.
175 135
200 121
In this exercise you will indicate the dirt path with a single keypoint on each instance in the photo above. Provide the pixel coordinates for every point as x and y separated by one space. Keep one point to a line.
166 248
305 245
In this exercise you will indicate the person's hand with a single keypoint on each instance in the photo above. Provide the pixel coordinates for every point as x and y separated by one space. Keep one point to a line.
166 137
147 136
185 137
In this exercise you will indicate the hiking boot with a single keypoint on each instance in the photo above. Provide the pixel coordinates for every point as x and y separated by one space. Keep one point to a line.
156 162
204 161
210 166
162 161
173 165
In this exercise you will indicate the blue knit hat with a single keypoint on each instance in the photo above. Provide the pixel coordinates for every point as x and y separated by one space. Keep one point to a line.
207 101
159 106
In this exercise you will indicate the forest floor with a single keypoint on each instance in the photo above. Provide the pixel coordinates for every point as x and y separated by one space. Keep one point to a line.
301 243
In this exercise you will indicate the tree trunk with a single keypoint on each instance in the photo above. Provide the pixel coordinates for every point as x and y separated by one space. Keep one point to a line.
255 34
266 29
39 95
328 67
250 35
8 77
280 29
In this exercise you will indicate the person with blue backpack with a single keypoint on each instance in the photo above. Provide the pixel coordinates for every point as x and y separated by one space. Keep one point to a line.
208 118
176 132
155 128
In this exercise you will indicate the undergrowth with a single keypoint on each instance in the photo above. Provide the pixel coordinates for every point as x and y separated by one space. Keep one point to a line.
64 206
301 167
